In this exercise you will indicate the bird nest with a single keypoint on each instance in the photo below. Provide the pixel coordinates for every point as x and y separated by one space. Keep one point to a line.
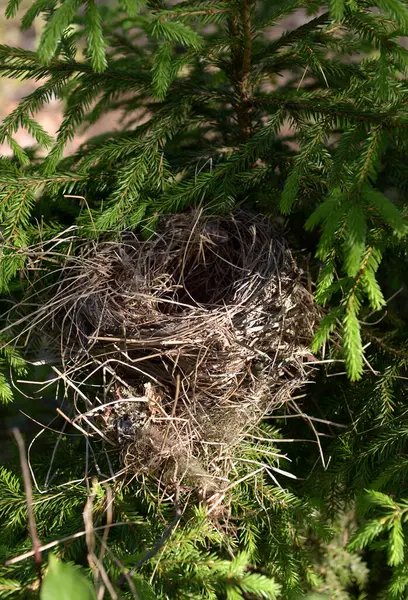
194 334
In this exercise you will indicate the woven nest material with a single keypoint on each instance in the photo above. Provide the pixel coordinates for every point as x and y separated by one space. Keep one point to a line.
203 329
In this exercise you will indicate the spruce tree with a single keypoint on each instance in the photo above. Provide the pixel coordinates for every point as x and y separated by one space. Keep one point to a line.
218 110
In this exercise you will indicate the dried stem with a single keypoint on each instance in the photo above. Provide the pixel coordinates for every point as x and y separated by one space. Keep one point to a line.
68 538
29 499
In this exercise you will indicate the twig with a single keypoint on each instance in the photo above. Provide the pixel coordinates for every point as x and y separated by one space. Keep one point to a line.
308 418
68 538
73 386
231 486
109 519
160 542
71 422
173 412
29 499
59 411
95 564
121 567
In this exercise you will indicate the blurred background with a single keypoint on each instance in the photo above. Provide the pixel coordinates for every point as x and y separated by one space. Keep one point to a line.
11 90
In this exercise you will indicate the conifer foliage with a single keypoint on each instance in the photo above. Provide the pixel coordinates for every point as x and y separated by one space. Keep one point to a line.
219 104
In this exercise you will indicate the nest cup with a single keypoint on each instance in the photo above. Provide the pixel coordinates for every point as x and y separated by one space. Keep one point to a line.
203 329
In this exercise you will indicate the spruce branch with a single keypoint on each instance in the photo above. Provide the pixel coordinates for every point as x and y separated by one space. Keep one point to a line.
160 543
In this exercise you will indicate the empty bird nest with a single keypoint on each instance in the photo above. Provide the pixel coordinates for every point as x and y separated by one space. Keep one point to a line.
189 336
